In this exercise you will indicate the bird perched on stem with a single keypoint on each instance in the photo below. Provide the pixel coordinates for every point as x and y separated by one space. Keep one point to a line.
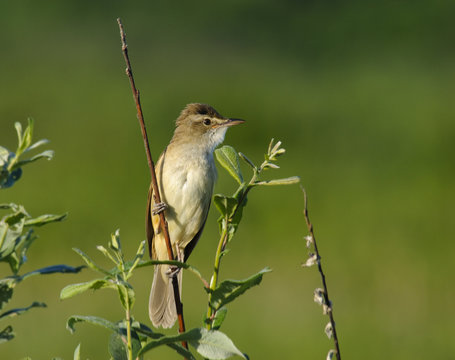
186 174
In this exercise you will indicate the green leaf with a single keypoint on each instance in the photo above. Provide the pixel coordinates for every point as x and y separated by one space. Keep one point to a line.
44 219
287 181
20 311
75 289
26 136
63 269
115 244
247 160
11 227
94 320
229 159
225 205
37 144
117 348
118 344
48 154
145 330
214 344
230 209
228 290
18 127
139 255
6 290
219 318
6 334
91 264
190 335
77 352
126 294
7 178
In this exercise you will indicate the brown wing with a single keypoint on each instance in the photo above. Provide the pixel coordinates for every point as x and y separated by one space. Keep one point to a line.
153 221
192 244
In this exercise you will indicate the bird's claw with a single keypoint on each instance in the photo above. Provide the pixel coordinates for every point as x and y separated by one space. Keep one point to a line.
158 208
172 271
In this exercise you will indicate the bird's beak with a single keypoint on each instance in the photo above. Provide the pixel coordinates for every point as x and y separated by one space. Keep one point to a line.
232 122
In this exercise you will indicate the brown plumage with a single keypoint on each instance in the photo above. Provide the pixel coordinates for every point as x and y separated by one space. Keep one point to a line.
186 175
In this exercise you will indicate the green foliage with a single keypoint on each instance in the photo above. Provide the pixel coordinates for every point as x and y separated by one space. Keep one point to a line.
17 227
231 211
11 163
129 338
228 290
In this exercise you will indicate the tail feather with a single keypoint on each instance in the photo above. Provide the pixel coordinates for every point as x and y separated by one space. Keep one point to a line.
162 310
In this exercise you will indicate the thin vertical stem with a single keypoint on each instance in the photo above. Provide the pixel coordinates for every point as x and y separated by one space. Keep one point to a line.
324 283
156 193
216 269
128 330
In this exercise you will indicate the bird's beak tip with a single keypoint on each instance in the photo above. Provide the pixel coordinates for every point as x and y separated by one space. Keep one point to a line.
232 122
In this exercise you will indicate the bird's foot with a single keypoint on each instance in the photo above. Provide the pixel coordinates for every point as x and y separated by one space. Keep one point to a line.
158 208
172 271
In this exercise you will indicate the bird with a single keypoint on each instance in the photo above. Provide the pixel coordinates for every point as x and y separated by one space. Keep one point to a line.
186 175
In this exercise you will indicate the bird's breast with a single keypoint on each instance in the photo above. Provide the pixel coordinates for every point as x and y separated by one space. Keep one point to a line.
187 184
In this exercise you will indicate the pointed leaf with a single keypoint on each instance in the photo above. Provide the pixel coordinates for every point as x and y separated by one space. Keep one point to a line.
219 318
247 160
20 311
228 290
6 290
115 244
145 330
48 154
95 320
225 205
139 255
6 334
75 289
90 262
287 181
63 269
190 335
126 294
117 347
45 219
77 352
229 159
214 344
118 343
18 127
37 144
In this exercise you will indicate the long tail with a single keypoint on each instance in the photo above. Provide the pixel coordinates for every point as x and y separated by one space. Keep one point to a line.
162 309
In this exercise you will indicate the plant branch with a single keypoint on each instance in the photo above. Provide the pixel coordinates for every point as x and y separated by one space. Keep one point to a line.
327 301
156 194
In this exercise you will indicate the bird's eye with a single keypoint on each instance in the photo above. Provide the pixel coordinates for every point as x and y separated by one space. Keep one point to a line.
207 121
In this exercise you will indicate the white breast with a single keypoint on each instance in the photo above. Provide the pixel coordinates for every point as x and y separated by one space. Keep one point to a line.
187 186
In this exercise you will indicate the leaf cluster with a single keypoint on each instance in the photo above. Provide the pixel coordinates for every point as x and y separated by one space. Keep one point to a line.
11 163
17 227
231 212
129 338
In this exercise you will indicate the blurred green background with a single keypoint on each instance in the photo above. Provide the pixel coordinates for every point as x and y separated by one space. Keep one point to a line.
361 94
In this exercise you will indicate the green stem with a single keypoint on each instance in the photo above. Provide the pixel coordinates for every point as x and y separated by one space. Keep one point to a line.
243 191
216 269
128 331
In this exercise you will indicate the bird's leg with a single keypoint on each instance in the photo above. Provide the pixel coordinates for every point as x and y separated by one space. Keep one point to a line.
174 269
160 207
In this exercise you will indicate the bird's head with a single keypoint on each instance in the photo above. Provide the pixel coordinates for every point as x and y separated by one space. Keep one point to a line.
202 124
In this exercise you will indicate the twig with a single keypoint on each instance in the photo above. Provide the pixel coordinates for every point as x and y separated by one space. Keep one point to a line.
324 284
156 193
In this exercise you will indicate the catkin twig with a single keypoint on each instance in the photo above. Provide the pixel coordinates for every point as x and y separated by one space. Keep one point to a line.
316 258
